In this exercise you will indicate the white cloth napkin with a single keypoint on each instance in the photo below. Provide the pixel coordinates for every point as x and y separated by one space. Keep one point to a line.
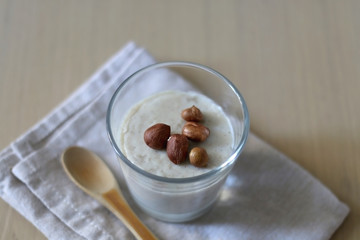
266 196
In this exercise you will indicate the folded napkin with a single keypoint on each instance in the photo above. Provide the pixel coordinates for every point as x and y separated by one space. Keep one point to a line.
266 196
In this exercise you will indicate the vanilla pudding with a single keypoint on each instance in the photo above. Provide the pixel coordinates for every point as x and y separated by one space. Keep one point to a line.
166 107
170 201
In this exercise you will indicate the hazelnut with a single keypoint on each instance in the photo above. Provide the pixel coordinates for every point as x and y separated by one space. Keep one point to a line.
157 135
192 114
177 148
198 157
195 131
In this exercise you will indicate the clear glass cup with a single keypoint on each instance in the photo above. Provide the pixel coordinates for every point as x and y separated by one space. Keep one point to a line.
177 199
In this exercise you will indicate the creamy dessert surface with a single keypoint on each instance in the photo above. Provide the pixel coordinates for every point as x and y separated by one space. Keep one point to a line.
166 107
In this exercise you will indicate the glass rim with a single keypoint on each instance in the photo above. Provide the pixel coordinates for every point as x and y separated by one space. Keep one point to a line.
212 172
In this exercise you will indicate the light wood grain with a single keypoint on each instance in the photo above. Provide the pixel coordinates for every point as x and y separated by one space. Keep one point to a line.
296 62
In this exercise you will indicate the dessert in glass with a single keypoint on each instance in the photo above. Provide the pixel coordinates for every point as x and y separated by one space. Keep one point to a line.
170 190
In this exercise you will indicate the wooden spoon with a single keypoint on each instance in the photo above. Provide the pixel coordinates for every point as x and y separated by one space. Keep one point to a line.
92 175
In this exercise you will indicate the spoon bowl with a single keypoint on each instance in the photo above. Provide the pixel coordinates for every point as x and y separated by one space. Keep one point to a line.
88 170
91 174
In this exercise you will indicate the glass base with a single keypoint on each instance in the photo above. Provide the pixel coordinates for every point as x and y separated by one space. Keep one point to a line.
176 217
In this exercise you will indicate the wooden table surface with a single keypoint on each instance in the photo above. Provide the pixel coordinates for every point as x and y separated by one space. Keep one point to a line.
297 63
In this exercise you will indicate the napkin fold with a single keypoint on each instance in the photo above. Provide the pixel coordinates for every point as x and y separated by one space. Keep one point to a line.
266 196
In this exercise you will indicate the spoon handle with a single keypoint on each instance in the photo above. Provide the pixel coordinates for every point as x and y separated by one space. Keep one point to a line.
118 205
